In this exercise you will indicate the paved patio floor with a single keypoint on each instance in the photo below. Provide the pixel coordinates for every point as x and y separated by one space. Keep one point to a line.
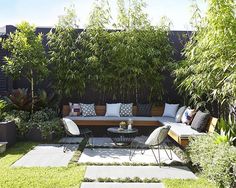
47 155
71 140
142 172
121 185
119 155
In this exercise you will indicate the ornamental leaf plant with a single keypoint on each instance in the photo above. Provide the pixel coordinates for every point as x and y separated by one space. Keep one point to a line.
27 57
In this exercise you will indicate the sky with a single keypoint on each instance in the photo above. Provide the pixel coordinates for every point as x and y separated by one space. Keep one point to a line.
44 13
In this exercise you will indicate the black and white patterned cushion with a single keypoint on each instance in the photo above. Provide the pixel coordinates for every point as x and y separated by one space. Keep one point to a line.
126 109
88 109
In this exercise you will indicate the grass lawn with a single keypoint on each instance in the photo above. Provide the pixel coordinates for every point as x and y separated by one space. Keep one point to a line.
70 176
36 177
199 183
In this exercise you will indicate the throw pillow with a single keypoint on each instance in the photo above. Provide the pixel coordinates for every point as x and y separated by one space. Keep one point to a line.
88 109
144 109
126 109
179 114
74 109
200 121
113 109
170 110
188 115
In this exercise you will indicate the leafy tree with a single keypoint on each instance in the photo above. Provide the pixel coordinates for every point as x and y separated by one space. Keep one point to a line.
94 42
132 17
27 56
141 51
68 74
208 72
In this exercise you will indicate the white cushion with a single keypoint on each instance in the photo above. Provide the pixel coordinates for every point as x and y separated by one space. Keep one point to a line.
179 114
188 115
113 110
170 110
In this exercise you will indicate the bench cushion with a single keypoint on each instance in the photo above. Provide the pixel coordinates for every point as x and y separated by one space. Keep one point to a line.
183 130
102 118
180 129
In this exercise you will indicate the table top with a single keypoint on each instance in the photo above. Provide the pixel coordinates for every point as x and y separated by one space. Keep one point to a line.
122 131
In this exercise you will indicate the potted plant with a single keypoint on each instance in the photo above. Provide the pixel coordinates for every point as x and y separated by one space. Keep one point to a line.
44 125
7 128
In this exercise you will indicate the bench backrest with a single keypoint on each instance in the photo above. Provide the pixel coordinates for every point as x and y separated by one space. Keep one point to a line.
212 125
101 110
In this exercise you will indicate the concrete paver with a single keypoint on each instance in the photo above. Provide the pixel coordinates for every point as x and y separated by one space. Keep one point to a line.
121 155
115 172
120 185
47 155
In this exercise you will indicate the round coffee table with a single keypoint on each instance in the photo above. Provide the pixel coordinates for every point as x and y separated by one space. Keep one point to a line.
122 137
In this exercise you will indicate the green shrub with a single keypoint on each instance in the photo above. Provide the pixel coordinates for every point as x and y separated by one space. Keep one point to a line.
2 108
46 121
208 71
215 158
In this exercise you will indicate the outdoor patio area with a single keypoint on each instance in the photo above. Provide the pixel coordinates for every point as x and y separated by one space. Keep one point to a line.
104 151
105 160
118 94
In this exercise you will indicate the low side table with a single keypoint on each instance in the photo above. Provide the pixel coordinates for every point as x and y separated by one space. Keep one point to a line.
122 137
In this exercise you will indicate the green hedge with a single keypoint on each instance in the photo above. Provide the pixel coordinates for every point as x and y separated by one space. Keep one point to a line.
215 158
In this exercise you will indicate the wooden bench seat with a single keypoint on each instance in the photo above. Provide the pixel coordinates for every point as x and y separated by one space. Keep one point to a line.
184 141
156 111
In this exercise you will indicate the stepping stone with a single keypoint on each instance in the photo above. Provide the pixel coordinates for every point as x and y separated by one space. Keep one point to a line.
71 140
47 155
112 155
121 185
115 172
102 142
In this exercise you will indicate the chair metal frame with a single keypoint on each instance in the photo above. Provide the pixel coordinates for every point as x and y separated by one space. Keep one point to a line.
85 132
152 147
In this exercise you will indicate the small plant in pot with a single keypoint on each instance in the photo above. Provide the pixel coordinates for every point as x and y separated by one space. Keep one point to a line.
44 125
122 125
21 119
2 107
7 128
